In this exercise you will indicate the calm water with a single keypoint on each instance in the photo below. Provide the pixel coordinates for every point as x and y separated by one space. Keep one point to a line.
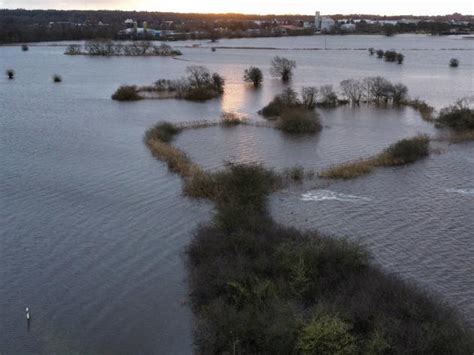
93 228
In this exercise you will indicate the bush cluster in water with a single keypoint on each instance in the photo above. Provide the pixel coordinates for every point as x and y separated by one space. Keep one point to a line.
390 56
109 48
199 85
459 116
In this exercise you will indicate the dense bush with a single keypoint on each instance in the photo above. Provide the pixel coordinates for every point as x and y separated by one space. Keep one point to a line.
283 67
380 53
126 93
25 48
454 63
459 116
164 132
266 289
288 99
406 151
400 58
10 74
253 75
57 78
299 121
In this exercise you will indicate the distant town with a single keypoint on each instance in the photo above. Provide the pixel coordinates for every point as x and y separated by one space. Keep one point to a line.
41 25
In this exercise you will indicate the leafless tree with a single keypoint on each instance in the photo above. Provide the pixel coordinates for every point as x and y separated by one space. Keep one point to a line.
283 67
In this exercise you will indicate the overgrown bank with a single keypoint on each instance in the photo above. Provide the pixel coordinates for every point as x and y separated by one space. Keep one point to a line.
258 287
405 151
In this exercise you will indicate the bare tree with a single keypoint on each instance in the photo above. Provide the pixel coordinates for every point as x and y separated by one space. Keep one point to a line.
283 67
309 96
353 90
199 76
328 96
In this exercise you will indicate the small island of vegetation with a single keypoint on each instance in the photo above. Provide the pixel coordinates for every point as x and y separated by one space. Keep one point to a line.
199 85
259 287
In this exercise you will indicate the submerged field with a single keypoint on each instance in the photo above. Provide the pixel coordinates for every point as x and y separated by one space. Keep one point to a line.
96 227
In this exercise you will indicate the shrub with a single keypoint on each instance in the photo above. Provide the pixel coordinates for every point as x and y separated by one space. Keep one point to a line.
57 78
253 75
390 56
73 49
349 170
299 121
10 74
283 68
286 100
406 151
371 51
126 93
380 53
327 335
399 93
164 132
400 58
458 116
24 47
454 63
200 94
230 119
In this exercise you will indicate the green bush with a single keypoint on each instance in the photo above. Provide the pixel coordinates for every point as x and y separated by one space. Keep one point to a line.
406 151
299 121
126 93
327 335
458 116
288 99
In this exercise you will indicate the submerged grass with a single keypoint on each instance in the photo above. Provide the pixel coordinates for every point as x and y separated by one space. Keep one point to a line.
403 152
426 111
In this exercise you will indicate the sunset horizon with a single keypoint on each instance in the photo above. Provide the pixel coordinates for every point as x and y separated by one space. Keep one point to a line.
401 8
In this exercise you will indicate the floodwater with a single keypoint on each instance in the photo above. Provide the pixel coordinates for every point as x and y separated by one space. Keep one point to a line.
93 228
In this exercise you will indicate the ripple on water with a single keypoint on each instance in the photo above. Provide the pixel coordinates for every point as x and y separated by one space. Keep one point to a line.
461 191
328 195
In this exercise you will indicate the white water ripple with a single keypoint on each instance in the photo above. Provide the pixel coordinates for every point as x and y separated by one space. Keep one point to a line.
327 195
461 191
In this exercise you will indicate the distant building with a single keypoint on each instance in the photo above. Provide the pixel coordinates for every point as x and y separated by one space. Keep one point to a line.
139 32
323 24
348 27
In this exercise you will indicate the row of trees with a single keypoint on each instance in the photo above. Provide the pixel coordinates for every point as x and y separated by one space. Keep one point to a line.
107 48
373 89
389 56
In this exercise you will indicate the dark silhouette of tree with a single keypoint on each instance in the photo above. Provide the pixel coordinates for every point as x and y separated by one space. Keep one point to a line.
253 75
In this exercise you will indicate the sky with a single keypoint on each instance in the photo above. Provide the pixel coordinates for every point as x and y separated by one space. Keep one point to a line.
378 7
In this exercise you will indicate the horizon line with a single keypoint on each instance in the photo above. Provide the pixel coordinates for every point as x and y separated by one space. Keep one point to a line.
232 13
